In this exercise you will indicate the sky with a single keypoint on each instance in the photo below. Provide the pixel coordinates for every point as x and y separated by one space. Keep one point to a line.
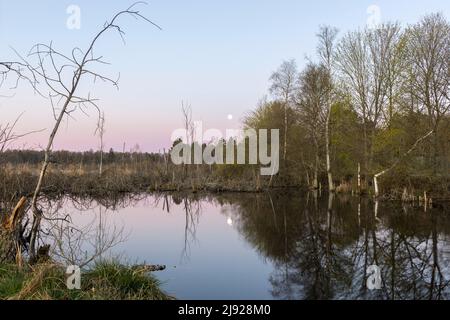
215 55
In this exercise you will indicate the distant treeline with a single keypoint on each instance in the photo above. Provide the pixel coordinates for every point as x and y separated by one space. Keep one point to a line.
70 157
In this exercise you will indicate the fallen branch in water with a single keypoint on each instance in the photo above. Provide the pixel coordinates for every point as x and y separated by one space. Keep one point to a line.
144 268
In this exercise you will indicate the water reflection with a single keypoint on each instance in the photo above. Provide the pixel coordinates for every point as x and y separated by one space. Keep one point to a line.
286 245
321 248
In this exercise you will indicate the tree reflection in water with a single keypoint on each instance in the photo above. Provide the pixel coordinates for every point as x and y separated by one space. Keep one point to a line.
322 246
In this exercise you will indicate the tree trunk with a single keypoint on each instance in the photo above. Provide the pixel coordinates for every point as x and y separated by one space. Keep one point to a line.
359 178
100 170
285 129
37 213
327 149
435 149
375 182
316 172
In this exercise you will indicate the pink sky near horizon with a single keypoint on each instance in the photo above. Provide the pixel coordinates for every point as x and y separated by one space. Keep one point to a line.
151 129
217 55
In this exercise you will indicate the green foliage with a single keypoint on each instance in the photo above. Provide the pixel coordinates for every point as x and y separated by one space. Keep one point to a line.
11 280
346 140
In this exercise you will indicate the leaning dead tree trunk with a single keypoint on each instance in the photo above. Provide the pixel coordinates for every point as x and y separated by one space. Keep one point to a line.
379 174
61 75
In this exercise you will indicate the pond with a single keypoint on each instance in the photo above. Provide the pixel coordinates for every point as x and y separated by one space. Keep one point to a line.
277 245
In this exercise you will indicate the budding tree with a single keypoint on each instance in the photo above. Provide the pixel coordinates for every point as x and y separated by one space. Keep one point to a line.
327 38
284 85
365 61
312 104
429 62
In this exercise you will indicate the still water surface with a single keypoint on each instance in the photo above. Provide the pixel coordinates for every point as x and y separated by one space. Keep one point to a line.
282 245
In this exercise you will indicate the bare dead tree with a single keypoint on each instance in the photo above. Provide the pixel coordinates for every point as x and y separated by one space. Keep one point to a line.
186 109
18 71
61 74
8 134
101 131
12 231
189 128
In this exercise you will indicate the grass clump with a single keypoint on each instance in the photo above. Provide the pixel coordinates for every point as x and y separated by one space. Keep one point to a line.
112 280
104 281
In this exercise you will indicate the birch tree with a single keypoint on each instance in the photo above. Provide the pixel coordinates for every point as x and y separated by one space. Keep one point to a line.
284 83
327 37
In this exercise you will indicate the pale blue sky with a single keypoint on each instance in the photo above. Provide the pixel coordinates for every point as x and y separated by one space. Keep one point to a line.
218 55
